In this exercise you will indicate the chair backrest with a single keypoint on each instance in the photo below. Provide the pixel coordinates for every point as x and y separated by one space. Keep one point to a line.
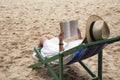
87 52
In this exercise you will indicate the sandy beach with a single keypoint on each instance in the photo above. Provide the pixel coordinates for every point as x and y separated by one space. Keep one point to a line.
22 22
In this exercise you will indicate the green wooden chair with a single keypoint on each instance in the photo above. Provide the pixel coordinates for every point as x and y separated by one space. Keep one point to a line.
83 51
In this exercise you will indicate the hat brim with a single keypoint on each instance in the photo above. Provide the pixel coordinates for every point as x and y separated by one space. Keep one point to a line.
90 20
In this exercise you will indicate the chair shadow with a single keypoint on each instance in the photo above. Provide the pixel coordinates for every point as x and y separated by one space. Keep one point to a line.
69 73
72 74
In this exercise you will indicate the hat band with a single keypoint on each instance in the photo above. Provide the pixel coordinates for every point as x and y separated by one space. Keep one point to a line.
91 31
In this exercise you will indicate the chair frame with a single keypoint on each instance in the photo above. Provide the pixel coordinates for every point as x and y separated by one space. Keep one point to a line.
68 52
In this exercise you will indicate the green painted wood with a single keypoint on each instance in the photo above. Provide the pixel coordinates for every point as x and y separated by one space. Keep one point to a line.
100 65
60 67
35 65
87 69
41 58
52 71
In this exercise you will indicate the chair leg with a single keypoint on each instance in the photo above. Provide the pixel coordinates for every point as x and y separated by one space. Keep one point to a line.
87 69
51 71
60 68
100 65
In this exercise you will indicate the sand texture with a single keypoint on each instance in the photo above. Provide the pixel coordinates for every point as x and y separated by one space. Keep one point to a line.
22 22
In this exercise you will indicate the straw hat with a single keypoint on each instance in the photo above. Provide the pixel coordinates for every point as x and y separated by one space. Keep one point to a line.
96 29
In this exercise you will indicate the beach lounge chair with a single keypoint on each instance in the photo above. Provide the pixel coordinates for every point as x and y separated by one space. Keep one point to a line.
83 51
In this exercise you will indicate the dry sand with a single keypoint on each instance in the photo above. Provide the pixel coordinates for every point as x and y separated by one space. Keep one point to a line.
22 22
